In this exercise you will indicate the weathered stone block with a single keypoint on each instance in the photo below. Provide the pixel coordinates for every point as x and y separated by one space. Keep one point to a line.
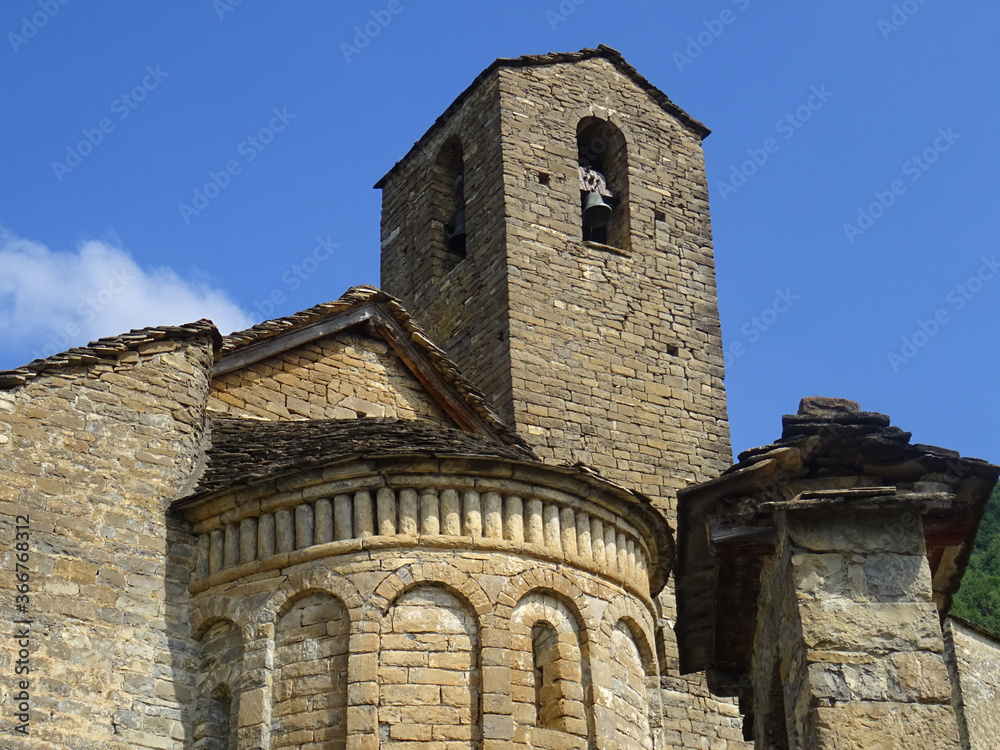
886 726
872 627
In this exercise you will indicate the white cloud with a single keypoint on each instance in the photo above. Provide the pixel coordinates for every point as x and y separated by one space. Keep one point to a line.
53 300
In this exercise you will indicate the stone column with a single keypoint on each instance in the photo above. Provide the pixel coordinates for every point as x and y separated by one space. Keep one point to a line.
848 650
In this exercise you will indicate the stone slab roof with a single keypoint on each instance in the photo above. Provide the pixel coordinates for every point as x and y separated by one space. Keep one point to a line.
554 58
250 454
382 313
108 349
278 326
830 447
245 451
385 316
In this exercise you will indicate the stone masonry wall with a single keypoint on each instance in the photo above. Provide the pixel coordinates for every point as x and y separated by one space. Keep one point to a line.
93 455
433 653
608 356
440 592
464 310
616 354
848 651
343 376
974 663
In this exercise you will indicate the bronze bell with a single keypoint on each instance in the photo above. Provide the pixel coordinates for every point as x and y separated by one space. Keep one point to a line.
455 236
596 213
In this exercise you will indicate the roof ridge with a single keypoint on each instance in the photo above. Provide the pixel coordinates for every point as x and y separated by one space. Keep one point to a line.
553 58
418 337
276 326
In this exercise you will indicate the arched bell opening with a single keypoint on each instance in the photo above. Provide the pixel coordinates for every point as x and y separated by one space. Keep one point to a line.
449 203
603 169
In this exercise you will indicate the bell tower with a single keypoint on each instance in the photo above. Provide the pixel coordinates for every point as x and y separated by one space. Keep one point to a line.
551 231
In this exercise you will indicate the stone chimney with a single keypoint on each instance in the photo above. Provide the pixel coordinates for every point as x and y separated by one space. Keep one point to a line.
813 575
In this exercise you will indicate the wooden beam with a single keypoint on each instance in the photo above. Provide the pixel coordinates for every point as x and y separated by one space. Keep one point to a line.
429 376
727 540
282 342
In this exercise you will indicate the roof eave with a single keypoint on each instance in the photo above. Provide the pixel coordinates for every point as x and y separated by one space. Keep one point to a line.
109 349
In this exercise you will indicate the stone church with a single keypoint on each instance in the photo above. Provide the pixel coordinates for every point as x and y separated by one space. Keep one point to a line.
490 506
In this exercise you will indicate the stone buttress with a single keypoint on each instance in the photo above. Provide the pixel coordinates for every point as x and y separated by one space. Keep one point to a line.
813 577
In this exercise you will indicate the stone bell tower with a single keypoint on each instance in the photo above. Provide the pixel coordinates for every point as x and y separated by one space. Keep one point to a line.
602 345
598 346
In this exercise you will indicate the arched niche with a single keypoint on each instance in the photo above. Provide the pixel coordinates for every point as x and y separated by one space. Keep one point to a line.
629 676
448 205
218 686
429 673
549 675
309 689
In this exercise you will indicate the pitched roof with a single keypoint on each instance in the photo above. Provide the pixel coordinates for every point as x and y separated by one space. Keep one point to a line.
245 451
554 58
829 449
108 349
385 317
382 313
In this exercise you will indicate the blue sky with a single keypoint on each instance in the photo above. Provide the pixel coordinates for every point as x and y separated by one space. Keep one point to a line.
853 170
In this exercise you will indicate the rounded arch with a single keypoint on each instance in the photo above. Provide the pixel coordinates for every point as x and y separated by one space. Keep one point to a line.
451 154
437 573
599 135
451 147
623 609
221 608
216 687
603 158
559 612
303 584
552 582
579 114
